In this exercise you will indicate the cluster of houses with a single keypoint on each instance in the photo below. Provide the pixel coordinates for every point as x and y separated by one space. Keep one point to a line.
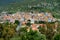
24 16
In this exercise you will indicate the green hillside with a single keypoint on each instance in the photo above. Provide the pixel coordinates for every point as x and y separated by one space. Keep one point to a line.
34 5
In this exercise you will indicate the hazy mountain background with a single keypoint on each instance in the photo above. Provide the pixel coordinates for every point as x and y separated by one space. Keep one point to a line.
6 2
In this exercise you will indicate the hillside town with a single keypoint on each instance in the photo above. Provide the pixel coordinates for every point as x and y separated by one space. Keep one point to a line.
24 16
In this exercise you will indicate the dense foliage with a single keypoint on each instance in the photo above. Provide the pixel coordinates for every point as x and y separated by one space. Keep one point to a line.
56 36
7 30
31 35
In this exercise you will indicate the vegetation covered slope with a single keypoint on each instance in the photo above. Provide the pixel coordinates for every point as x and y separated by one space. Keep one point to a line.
28 5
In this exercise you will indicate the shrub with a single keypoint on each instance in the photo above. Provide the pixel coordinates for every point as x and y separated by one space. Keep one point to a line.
17 22
56 36
58 28
28 23
42 30
41 22
36 22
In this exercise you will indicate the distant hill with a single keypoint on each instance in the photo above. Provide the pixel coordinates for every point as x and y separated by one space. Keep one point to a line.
53 5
